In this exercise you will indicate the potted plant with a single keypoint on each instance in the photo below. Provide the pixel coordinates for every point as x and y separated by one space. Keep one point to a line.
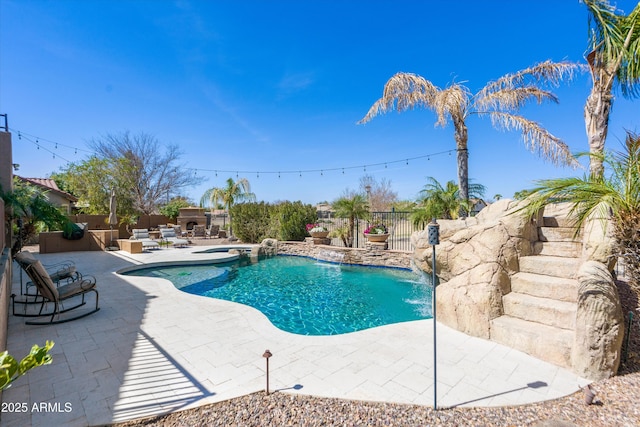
376 233
317 231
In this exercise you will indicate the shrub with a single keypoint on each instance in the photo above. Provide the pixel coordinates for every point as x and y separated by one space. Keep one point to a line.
250 221
289 220
253 222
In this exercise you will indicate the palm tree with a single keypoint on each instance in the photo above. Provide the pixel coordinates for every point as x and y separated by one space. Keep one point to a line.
234 192
353 207
613 57
436 201
616 197
500 100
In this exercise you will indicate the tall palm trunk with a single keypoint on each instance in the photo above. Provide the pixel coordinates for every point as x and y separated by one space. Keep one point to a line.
597 110
462 154
229 215
596 119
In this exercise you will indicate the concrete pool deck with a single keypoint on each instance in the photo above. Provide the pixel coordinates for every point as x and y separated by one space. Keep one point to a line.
152 349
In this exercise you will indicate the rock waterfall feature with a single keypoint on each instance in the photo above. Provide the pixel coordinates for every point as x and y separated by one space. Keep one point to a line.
533 284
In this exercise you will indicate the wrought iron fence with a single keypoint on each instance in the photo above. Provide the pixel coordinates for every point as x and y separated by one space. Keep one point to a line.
398 223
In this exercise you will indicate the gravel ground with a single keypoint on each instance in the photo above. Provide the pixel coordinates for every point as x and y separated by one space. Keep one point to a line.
616 404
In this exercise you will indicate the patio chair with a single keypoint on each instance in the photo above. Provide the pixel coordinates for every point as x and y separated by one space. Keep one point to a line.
142 235
178 230
169 235
62 271
198 231
50 294
212 231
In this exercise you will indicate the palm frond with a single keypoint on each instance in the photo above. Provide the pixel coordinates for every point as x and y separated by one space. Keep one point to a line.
451 102
614 44
536 138
549 72
402 92
512 99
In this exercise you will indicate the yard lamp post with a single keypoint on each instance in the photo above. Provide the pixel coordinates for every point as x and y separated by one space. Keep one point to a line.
267 354
434 239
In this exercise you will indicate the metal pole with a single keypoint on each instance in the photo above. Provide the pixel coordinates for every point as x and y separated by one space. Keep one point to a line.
433 305
434 239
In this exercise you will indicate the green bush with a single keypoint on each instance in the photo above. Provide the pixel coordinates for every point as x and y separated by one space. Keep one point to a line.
250 221
289 220
253 222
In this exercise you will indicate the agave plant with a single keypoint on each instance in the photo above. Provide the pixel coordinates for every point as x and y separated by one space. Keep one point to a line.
614 196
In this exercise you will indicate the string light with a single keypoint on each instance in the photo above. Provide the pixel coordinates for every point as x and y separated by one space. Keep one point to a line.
38 143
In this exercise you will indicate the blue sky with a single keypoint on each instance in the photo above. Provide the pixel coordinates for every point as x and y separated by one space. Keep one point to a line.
279 86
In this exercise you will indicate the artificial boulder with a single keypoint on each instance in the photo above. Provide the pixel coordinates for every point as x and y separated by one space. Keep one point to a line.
599 323
475 260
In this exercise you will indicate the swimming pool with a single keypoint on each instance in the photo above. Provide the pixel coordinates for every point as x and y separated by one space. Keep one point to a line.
303 296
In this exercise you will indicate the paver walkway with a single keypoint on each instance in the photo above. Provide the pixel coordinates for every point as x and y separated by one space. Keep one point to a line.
152 349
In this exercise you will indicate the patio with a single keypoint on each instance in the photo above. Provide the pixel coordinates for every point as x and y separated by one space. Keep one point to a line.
152 349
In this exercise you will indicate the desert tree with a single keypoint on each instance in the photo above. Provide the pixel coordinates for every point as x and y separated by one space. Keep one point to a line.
154 170
379 193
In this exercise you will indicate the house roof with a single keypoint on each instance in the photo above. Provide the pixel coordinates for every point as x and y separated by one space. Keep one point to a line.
49 185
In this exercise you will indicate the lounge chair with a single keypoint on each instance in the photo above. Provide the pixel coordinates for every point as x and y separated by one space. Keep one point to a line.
48 293
169 235
142 235
212 231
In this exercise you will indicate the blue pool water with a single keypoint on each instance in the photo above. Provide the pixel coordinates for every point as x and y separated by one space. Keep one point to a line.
302 296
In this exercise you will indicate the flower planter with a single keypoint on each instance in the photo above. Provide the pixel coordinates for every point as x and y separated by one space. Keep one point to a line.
377 238
319 234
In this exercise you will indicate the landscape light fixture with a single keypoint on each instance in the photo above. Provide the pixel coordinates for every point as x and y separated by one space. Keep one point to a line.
267 354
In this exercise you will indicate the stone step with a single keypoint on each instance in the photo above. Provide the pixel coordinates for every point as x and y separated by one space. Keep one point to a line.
551 312
557 234
539 285
550 265
544 342
557 221
562 249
